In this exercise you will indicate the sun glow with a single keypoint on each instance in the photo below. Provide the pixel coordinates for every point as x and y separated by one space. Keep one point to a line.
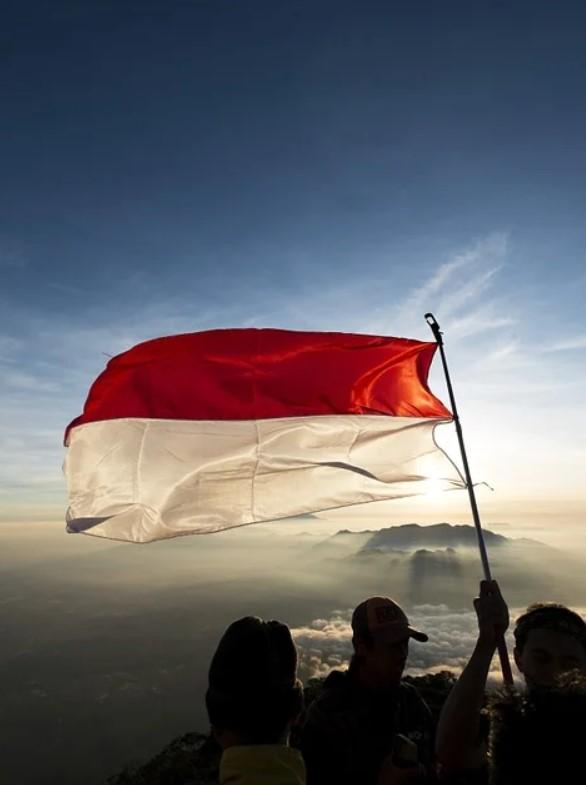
434 488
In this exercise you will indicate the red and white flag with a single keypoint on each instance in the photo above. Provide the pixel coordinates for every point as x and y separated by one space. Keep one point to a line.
196 433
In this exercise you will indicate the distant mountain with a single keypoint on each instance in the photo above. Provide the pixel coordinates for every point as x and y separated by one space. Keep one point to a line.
339 545
406 538
412 536
441 563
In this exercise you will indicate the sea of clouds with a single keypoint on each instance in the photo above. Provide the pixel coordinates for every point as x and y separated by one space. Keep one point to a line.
326 644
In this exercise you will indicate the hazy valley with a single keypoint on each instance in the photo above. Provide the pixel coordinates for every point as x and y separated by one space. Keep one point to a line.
105 646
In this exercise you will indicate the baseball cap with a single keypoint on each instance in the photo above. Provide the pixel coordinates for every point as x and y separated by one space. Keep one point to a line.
383 618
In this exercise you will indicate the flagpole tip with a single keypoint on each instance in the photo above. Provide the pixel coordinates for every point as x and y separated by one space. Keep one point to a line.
435 328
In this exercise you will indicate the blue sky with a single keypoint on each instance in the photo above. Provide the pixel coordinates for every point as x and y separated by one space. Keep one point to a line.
175 166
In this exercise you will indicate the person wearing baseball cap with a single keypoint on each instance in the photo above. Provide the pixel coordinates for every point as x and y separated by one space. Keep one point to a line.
253 697
368 726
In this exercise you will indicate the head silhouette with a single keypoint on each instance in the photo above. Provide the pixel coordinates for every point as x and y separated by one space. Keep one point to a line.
253 694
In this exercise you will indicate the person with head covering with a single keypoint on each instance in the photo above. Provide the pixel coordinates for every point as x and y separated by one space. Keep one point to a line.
252 699
368 726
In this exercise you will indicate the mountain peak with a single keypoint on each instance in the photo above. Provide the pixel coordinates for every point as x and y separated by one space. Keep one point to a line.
409 536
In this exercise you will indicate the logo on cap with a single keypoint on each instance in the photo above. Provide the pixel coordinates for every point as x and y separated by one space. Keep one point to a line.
382 617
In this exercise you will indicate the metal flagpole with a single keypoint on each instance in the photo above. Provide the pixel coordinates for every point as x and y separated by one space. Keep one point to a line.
501 644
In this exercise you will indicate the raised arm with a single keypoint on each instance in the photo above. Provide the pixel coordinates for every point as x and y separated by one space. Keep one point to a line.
458 744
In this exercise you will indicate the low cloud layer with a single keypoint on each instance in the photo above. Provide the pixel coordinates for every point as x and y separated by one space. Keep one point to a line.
325 644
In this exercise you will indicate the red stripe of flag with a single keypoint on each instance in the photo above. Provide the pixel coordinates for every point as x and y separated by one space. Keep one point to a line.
247 374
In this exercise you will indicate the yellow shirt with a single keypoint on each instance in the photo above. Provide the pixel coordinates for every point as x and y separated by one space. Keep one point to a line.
262 764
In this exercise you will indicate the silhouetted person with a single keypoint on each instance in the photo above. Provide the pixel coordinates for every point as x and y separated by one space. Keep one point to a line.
252 699
539 737
550 640
368 727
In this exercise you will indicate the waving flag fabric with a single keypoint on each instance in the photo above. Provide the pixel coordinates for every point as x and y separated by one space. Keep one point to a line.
196 433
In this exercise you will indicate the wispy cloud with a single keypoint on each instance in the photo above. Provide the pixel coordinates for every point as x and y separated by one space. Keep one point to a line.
484 319
457 282
20 380
504 352
461 291
568 344
467 291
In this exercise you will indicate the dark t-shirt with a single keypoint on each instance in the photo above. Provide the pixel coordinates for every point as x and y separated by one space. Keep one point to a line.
349 731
